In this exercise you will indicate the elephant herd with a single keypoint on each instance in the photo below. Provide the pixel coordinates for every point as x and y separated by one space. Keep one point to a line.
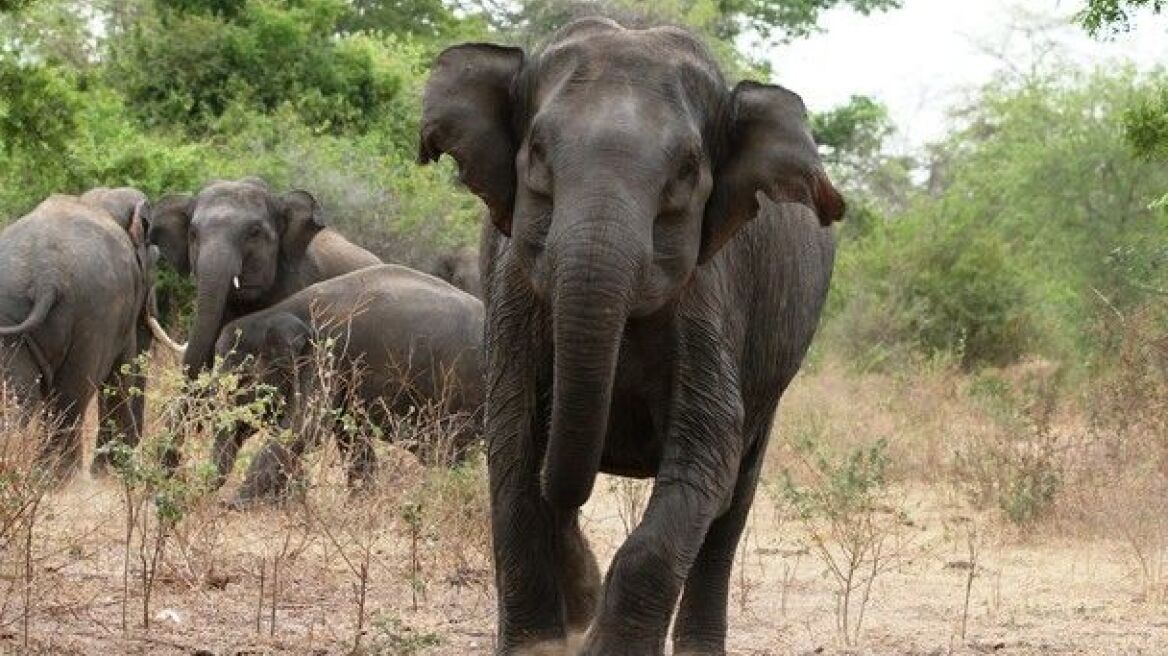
658 255
77 309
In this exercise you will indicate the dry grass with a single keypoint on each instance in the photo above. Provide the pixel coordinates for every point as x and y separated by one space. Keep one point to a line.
403 566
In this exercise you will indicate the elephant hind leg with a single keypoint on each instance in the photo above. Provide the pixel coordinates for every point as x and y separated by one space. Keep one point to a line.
61 453
121 413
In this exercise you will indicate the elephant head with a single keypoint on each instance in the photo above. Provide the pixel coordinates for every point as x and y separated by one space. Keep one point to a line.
618 162
460 267
268 346
234 237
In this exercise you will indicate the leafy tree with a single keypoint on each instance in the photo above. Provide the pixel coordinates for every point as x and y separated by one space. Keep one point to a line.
788 19
1110 16
723 19
1044 212
204 56
14 5
1147 123
415 17
38 119
876 182
1147 118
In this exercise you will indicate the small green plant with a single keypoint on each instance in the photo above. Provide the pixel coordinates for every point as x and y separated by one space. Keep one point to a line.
854 523
1018 465
392 636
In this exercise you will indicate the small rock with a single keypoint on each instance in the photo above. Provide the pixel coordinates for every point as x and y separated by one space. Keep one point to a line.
168 615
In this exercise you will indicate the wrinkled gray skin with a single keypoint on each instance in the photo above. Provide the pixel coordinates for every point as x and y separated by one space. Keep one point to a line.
660 258
120 203
416 340
275 245
73 289
460 267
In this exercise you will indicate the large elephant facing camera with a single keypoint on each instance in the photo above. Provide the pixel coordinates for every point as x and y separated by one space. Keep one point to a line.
661 254
247 248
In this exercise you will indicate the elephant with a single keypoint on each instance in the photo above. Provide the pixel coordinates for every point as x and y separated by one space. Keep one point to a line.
660 252
73 295
412 339
247 248
121 203
460 267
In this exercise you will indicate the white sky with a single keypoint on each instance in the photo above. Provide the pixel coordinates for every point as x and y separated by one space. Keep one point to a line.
924 58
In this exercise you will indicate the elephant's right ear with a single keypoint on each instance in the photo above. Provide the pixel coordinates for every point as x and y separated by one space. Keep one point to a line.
170 222
467 112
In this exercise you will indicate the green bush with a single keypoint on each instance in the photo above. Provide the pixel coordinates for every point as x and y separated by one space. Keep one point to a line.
264 53
1036 217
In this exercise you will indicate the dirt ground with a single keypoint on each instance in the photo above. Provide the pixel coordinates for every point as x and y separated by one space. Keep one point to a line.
1027 597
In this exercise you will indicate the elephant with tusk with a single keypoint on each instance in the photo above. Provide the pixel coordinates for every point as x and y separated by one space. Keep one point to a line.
247 247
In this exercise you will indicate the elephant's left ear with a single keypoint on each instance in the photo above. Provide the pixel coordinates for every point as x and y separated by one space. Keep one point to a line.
766 147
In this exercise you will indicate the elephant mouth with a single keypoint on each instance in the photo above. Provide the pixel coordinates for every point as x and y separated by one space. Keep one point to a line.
244 290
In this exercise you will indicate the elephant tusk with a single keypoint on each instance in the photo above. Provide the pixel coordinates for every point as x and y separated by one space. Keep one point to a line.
235 281
160 335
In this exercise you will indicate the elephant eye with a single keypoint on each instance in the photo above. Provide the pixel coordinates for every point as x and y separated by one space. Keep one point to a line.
675 197
688 169
255 231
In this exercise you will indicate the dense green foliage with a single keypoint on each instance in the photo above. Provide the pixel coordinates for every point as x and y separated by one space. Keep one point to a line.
1037 217
720 19
1009 237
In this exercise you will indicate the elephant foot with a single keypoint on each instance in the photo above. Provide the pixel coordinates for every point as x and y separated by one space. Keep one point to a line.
699 651
575 641
544 648
599 645
100 467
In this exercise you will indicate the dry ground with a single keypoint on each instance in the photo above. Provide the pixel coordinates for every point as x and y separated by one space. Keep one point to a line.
429 587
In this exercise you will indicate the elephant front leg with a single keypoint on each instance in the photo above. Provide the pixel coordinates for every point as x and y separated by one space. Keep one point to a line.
272 471
694 484
523 528
228 441
700 628
531 609
579 576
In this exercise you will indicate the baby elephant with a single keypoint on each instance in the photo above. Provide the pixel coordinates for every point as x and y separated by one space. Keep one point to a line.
415 340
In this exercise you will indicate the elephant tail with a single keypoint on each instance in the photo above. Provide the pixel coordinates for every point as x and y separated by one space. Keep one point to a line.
43 301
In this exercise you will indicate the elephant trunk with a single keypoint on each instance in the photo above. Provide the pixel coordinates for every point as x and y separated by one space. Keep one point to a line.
592 281
215 272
